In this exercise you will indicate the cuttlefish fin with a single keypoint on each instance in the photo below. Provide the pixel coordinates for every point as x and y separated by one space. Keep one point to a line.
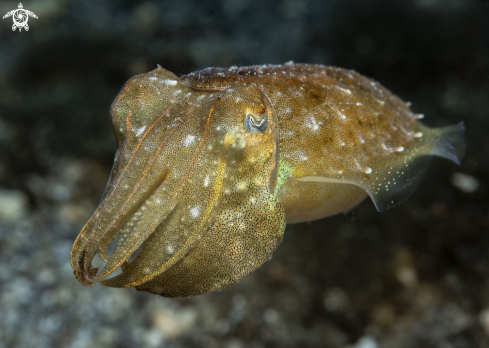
392 180
449 142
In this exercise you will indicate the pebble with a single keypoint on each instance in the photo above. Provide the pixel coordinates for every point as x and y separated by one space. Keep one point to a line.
366 342
465 182
13 205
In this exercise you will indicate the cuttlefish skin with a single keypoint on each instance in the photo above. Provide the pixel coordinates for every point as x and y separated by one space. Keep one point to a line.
211 166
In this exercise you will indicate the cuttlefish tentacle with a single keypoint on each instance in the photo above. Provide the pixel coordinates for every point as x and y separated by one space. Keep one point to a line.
205 179
156 208
175 236
109 238
138 151
130 189
110 234
85 239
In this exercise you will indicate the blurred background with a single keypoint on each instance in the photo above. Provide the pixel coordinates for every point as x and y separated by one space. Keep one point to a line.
414 276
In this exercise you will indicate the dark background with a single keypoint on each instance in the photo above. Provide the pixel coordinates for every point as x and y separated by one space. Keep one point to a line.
414 276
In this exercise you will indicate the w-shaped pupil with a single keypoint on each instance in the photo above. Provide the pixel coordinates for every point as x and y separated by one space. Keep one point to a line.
254 126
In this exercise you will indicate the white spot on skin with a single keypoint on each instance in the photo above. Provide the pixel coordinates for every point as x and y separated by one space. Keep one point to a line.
189 140
170 249
288 110
140 131
298 155
206 181
342 115
169 82
359 167
258 182
175 122
419 116
400 149
241 186
311 123
418 135
344 90
368 170
381 102
153 78
405 131
195 211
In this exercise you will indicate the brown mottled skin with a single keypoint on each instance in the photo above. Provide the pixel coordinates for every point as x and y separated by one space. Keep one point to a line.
211 166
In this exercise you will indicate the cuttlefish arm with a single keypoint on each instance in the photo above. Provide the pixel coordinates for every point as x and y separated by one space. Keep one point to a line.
138 169
189 194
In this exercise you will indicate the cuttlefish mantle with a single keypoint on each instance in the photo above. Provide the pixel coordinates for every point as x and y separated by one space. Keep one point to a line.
212 165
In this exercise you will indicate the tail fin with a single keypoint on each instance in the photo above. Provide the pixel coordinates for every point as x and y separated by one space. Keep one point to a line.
449 142
403 175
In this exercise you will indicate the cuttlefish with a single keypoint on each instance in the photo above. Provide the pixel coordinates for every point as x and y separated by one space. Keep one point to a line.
211 166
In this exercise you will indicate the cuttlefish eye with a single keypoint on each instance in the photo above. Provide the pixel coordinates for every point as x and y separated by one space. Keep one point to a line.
256 124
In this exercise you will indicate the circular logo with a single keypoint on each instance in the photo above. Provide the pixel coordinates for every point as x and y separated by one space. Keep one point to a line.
20 17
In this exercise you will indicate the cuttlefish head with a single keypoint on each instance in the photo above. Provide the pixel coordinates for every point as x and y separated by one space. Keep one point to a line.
189 204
